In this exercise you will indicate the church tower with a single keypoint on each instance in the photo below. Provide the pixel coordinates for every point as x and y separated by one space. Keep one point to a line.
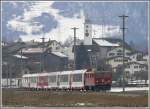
87 32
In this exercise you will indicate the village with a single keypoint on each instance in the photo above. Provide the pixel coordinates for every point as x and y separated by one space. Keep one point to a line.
64 54
98 53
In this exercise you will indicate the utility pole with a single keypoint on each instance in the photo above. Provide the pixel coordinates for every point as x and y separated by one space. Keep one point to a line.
74 29
123 17
42 54
21 62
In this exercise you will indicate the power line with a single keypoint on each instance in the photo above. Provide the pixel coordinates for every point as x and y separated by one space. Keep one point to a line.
123 45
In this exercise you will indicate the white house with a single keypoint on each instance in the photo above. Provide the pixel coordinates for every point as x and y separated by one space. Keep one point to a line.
145 57
3 43
137 56
55 46
132 68
116 61
118 51
68 52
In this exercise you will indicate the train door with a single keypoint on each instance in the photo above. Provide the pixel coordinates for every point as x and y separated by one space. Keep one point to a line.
19 82
42 82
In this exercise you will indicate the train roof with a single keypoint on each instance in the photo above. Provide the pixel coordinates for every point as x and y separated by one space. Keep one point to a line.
56 73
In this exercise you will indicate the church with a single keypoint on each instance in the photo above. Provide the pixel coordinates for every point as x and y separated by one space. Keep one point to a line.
96 48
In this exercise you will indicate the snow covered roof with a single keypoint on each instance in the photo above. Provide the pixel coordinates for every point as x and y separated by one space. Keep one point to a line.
133 62
32 50
114 57
102 42
19 56
59 54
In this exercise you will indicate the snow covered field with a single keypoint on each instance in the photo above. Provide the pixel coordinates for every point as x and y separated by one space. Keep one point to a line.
120 89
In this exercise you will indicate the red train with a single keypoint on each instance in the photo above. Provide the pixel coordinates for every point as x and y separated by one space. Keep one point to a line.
69 80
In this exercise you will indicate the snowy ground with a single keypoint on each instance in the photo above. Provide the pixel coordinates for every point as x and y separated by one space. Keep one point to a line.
120 89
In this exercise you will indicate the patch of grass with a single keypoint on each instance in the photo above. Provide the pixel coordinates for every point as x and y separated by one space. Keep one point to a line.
75 98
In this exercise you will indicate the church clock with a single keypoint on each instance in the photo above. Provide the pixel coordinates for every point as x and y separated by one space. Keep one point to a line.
86 34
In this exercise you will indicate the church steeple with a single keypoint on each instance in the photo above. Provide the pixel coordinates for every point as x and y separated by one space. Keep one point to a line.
87 31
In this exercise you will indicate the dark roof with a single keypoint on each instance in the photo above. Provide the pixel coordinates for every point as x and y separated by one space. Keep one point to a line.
117 57
33 50
129 63
93 48
12 48
136 52
58 54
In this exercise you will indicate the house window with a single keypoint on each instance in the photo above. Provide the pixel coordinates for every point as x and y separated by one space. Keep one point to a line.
117 60
111 54
135 72
87 26
135 66
127 73
119 51
127 66
119 54
126 60
57 48
127 54
141 66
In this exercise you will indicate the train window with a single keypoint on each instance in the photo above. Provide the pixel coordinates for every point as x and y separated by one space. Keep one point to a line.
52 79
87 75
43 78
64 78
25 79
77 77
33 79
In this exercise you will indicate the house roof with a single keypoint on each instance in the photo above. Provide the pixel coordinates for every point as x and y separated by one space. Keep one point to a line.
103 42
119 41
89 48
59 54
32 50
117 57
129 63
126 49
136 52
19 56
